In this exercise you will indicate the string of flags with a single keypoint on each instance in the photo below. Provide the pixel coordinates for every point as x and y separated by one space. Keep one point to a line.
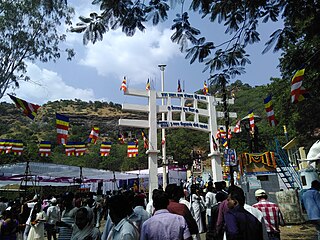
298 92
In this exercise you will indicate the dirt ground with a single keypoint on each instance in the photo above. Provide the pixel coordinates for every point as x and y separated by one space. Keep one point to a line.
302 231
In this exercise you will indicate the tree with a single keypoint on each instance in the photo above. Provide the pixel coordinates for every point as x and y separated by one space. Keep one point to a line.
28 32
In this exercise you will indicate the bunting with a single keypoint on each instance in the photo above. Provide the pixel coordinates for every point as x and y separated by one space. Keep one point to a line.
45 148
94 135
75 149
28 109
10 145
148 85
132 150
205 88
145 140
62 128
179 86
237 128
105 149
298 92
124 85
270 113
221 136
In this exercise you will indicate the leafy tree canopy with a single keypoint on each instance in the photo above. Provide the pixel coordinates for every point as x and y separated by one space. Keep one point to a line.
28 32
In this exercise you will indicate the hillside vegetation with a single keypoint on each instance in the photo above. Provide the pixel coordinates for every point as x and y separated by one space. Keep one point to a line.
180 142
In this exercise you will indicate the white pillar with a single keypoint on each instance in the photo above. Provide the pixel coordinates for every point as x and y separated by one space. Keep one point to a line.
152 152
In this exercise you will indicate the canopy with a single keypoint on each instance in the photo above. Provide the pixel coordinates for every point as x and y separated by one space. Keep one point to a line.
49 174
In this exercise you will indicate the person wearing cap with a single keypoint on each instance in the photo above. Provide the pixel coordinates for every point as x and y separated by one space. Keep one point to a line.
311 201
271 213
53 214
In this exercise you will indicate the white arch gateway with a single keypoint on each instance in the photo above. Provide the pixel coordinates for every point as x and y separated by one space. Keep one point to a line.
179 104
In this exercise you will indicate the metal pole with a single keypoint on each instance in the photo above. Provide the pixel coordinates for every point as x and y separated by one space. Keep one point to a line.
163 133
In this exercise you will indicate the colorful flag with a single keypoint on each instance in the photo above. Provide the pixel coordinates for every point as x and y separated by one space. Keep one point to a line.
70 149
62 128
17 147
148 85
45 148
221 133
205 88
28 109
298 93
251 120
105 149
124 85
80 148
237 128
121 138
132 149
136 141
94 135
145 140
179 86
270 113
2 145
229 133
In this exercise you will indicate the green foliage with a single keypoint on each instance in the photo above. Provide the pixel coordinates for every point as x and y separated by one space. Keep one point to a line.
29 31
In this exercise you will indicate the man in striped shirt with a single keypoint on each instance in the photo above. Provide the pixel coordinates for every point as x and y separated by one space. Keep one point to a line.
271 213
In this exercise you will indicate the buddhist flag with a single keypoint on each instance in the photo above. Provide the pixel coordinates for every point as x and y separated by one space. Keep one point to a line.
298 92
124 85
270 113
237 128
80 148
70 149
221 133
105 149
132 149
145 140
179 86
251 120
205 88
45 148
28 109
2 145
94 135
121 138
17 147
62 123
148 85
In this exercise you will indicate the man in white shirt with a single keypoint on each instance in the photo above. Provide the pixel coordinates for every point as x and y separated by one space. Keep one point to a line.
53 213
210 201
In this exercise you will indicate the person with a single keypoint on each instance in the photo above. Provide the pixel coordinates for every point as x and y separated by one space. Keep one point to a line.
271 213
53 214
139 207
210 201
67 217
123 227
38 218
174 193
196 207
311 202
30 204
84 227
239 223
258 214
215 233
8 226
163 224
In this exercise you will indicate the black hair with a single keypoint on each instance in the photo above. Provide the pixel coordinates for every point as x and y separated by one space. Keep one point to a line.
238 194
160 200
315 184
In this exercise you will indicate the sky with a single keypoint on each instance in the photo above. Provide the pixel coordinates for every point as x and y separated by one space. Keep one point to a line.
96 72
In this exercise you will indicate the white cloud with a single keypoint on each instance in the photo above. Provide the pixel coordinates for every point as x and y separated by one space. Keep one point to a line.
136 57
46 85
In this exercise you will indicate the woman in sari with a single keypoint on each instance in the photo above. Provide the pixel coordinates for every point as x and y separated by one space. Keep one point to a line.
84 227
38 218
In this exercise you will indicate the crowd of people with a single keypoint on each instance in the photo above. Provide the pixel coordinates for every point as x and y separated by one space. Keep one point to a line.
175 212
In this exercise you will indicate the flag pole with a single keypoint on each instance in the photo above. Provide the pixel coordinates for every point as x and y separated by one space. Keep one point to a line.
163 133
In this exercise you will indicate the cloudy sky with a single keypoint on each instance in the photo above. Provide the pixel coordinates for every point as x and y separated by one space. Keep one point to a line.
97 70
